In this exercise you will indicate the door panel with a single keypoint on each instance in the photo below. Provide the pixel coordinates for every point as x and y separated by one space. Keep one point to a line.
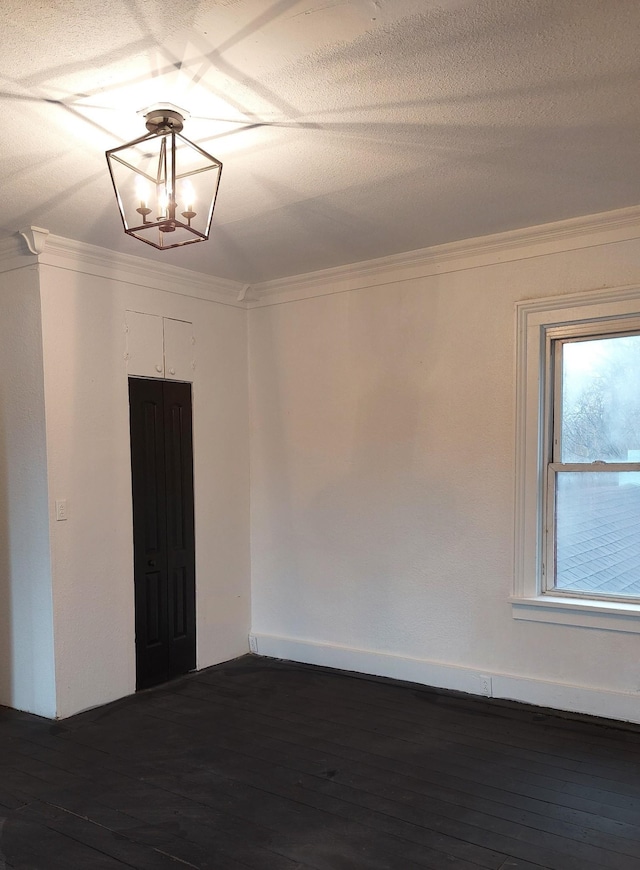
152 458
153 593
164 546
180 534
180 606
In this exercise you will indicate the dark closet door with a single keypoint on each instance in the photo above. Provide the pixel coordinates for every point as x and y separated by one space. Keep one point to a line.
163 533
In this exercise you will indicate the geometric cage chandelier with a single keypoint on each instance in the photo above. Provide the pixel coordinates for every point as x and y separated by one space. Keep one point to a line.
165 185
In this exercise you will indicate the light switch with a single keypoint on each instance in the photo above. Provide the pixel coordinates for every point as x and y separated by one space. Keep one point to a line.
61 509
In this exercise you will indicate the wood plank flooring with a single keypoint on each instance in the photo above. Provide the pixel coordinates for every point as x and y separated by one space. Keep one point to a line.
274 766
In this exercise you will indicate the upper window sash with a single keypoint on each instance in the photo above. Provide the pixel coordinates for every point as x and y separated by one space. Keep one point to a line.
557 338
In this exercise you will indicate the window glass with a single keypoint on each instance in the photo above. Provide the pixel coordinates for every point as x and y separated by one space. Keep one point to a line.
598 532
601 400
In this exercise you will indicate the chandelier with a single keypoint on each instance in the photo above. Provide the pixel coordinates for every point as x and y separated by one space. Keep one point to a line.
165 185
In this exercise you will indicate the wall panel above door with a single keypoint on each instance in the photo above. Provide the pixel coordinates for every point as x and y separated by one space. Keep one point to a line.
179 350
145 346
159 347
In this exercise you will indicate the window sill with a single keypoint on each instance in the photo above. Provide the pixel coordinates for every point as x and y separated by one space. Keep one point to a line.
608 616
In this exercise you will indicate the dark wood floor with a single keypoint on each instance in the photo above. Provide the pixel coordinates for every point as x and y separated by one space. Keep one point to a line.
275 766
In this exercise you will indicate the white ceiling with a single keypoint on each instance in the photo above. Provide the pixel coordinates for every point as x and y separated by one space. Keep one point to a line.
348 130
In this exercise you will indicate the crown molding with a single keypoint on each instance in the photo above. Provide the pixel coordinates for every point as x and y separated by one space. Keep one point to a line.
61 253
14 254
567 235
92 260
36 238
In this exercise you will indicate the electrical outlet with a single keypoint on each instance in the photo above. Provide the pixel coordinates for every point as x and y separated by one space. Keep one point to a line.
253 643
61 509
485 685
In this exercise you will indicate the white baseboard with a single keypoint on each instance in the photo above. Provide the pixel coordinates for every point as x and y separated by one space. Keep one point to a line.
543 693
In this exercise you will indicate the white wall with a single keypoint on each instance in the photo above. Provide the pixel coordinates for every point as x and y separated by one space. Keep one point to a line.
382 480
382 473
26 619
87 417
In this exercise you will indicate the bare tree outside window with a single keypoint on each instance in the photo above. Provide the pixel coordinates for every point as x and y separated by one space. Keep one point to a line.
601 399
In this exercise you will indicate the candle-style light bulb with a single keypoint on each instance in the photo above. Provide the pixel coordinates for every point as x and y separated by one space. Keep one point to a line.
142 194
166 209
163 203
187 194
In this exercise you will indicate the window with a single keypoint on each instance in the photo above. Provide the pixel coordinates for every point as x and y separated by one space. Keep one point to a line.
592 516
578 461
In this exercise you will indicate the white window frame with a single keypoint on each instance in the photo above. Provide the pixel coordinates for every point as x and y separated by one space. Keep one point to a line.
539 323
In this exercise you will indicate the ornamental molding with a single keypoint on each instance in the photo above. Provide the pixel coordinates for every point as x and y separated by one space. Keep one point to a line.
555 238
567 235
60 253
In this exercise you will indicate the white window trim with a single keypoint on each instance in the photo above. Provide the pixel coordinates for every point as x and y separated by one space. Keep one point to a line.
534 319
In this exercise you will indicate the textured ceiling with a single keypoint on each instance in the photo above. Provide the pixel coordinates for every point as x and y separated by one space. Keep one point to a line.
348 130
